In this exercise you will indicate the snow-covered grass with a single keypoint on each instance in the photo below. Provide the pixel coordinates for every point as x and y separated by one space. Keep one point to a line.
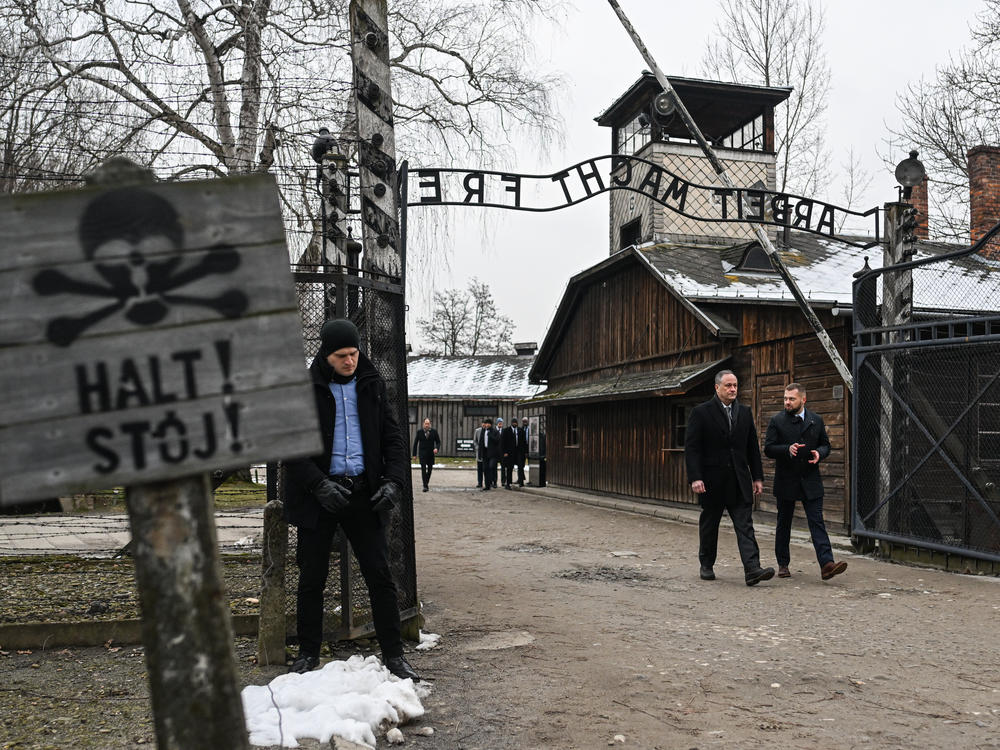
352 699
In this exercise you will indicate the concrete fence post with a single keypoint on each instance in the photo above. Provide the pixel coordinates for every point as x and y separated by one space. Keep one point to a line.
271 629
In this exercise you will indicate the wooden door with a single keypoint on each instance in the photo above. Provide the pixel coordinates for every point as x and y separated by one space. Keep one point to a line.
769 392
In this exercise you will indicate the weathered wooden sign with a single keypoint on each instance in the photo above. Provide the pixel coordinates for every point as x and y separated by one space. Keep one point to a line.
147 332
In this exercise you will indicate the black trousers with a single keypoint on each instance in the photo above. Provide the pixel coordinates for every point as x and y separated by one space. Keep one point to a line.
507 472
367 537
520 468
817 530
489 473
425 472
726 497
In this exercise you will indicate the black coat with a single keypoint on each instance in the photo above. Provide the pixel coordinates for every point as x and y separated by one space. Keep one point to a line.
522 443
710 447
491 450
508 441
383 441
796 478
423 447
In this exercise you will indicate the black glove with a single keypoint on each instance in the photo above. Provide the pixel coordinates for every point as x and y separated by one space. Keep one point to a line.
386 497
331 496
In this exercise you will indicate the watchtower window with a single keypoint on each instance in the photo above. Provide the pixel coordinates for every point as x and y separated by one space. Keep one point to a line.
630 233
633 135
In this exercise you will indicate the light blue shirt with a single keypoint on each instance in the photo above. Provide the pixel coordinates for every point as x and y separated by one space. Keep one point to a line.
348 454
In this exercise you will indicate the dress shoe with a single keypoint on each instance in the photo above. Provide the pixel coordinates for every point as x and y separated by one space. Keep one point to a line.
832 569
401 668
761 574
425 488
304 664
706 573
783 572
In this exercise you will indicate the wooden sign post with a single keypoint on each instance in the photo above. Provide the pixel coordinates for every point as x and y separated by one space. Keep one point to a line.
149 333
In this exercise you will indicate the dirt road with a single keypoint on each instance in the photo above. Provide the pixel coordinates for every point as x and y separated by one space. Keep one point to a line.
565 625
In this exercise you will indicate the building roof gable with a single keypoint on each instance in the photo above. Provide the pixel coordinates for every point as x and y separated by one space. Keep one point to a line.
483 377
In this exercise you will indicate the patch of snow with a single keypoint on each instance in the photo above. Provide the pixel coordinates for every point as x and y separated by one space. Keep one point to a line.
349 699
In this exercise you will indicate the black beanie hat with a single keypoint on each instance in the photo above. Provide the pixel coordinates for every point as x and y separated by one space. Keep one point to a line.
338 334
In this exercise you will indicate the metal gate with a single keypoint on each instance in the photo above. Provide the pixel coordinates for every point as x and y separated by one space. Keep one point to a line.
375 304
926 411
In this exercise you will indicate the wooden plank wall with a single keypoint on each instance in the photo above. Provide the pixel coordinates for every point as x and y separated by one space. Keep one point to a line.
447 417
628 319
623 450
622 442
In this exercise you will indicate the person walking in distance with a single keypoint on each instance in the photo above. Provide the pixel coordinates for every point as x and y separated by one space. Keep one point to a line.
508 449
480 456
353 484
522 450
489 444
725 471
797 441
425 447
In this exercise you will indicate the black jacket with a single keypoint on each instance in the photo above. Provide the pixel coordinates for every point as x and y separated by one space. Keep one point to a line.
522 443
710 447
796 478
508 441
381 438
491 450
423 447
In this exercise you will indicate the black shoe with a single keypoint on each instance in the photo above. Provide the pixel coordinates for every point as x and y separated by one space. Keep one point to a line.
425 488
706 573
401 668
761 574
304 664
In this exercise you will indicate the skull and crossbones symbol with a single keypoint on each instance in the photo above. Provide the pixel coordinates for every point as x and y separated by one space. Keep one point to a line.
126 233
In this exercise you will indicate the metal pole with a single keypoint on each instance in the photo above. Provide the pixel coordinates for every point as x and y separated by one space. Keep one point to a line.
720 170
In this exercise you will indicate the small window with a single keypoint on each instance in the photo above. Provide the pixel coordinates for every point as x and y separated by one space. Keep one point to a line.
412 414
481 410
572 430
630 233
678 425
755 259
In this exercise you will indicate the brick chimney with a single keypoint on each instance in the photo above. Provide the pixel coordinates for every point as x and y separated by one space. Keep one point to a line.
918 199
984 195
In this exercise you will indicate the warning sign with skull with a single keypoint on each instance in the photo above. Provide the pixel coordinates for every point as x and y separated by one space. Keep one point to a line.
148 331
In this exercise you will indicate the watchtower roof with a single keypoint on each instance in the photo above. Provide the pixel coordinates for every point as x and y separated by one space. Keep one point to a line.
718 108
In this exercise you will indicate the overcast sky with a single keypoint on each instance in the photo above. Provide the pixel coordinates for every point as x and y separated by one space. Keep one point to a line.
874 48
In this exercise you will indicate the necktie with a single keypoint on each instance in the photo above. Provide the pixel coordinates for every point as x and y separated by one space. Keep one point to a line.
729 413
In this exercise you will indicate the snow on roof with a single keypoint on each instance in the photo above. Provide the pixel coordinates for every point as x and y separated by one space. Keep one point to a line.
824 270
470 377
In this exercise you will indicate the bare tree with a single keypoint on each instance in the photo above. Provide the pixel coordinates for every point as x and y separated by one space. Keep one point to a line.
943 118
48 135
780 43
466 321
857 180
217 87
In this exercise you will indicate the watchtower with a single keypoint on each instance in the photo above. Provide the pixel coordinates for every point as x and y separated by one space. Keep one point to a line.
738 120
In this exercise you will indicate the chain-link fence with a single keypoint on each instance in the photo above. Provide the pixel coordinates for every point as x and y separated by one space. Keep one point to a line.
375 305
926 409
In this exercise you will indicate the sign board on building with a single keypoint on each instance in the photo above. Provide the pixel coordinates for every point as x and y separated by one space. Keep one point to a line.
465 445
147 332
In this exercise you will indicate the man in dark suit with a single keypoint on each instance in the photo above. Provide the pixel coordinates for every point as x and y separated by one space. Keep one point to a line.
508 447
522 450
489 445
425 447
725 471
797 441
